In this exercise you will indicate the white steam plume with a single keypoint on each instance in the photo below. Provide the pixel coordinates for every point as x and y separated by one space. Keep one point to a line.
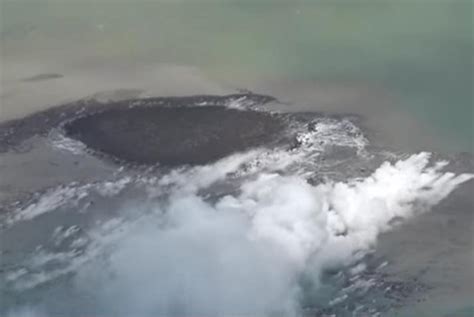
243 254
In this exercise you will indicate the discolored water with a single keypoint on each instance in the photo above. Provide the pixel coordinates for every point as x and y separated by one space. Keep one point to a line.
410 60
307 202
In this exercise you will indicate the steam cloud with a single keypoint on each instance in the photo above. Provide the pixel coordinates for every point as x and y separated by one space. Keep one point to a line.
243 254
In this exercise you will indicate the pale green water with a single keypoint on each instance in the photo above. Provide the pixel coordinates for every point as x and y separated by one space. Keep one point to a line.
419 51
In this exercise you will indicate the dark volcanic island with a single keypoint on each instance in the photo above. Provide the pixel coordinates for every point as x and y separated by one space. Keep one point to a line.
169 131
174 135
81 179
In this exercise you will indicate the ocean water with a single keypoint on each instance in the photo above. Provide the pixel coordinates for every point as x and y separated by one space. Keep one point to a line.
407 60
288 227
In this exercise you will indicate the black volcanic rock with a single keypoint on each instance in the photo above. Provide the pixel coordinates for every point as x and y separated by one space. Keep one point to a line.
14 132
174 135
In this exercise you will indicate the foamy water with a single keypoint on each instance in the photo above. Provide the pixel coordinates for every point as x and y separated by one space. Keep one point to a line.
230 238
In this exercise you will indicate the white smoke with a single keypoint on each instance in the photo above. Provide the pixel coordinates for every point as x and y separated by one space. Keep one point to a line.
243 254
200 262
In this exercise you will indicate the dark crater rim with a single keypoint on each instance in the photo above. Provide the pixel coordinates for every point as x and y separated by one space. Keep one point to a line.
174 136
16 131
